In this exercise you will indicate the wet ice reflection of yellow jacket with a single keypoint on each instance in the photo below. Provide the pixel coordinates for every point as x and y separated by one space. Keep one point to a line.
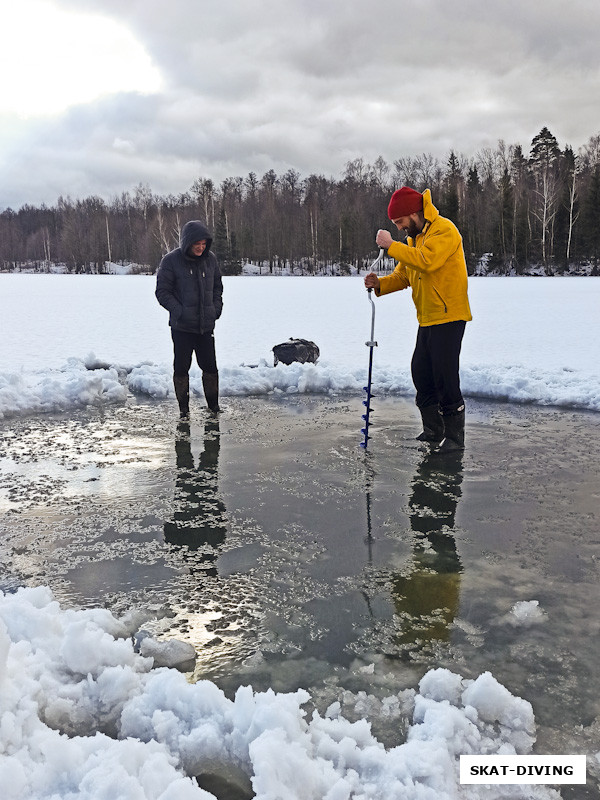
434 266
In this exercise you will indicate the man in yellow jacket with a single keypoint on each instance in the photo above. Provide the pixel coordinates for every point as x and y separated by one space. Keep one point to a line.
432 263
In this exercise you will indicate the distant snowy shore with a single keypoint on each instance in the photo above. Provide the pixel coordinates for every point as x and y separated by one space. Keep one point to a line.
484 267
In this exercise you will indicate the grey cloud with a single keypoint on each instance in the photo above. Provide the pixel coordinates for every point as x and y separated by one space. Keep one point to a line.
311 85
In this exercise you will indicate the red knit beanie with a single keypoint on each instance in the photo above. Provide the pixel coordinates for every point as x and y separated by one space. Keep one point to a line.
404 202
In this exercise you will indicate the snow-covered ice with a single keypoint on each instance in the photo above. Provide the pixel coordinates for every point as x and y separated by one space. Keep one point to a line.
526 612
70 341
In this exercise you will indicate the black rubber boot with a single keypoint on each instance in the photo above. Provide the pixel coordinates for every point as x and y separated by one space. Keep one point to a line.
433 425
182 393
210 384
454 428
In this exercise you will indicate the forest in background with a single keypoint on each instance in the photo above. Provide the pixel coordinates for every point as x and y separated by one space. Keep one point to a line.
516 213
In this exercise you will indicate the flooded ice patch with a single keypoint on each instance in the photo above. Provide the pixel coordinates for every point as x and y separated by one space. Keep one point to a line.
291 560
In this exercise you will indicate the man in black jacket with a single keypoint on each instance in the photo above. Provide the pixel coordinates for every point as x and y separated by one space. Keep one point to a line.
189 286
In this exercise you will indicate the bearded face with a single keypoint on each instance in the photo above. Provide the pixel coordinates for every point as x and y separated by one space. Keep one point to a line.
409 225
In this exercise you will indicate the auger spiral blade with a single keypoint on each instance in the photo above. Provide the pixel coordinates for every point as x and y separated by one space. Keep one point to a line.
370 344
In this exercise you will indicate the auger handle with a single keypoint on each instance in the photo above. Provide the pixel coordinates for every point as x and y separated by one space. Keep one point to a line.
378 259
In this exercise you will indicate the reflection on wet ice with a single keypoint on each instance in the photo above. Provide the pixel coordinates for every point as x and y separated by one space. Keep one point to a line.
426 595
199 517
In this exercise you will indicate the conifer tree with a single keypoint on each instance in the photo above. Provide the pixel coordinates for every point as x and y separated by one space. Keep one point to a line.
543 162
450 203
591 217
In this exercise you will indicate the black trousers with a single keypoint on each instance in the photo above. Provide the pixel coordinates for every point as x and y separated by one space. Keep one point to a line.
434 366
186 344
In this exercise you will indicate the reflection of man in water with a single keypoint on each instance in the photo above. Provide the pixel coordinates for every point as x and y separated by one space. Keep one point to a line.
427 596
199 516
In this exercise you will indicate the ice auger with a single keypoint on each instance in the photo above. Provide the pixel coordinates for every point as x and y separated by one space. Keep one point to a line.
370 344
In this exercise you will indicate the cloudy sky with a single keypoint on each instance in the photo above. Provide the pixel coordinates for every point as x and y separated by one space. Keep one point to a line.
98 96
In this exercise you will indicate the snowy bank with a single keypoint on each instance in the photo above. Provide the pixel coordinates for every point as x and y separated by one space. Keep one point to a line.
84 716
87 382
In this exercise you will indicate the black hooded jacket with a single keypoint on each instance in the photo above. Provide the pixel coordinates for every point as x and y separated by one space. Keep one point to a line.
191 288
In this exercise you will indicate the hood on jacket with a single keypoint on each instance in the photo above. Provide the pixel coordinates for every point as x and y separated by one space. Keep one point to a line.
194 231
430 212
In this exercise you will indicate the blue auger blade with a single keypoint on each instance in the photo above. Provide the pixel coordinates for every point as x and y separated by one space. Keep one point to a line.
364 430
364 444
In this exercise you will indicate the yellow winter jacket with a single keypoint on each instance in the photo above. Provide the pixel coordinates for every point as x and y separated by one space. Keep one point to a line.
434 267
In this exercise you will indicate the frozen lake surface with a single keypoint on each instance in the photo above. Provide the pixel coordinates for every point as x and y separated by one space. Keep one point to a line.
290 559
450 605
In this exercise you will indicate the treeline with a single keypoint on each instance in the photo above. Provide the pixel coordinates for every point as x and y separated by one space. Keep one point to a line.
513 210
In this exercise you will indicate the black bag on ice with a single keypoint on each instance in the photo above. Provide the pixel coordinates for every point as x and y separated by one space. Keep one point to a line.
301 350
